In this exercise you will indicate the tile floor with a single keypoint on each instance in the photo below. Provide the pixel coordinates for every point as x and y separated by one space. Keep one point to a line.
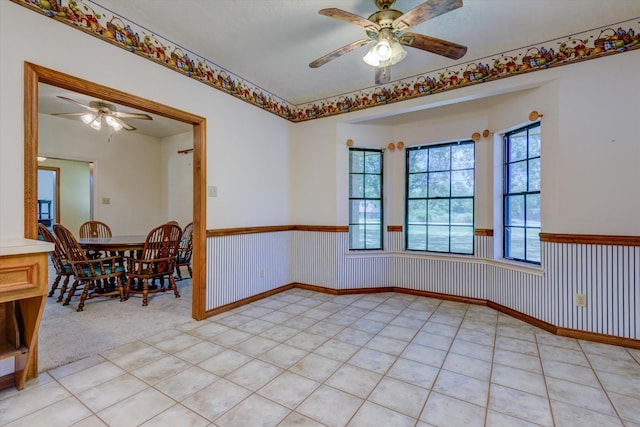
301 358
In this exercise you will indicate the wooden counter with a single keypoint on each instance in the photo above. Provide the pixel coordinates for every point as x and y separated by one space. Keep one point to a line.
23 290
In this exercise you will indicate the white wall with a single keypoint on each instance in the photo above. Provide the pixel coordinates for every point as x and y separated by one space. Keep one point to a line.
178 197
249 164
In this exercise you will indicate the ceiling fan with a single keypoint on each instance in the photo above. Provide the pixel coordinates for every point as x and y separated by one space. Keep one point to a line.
97 111
386 28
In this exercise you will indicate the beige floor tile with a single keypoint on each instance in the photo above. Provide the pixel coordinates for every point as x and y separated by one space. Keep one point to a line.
566 355
177 343
254 374
498 419
462 387
230 338
325 328
429 339
63 413
315 367
570 372
569 416
337 350
306 341
288 329
468 366
254 411
283 355
442 410
256 326
136 409
521 405
92 421
330 406
216 399
372 360
295 419
371 414
477 351
621 384
519 379
387 345
547 338
91 377
142 356
186 383
106 394
255 346
177 415
160 369
517 345
288 389
354 336
223 363
209 330
23 403
199 352
413 372
518 360
77 366
579 395
357 381
426 355
628 407
399 396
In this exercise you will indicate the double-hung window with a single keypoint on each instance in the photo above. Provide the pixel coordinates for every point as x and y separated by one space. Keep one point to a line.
522 194
439 198
365 198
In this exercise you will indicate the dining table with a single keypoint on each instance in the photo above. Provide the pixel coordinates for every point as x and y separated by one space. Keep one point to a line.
119 244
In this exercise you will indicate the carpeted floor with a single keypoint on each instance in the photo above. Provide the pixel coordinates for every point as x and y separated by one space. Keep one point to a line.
66 335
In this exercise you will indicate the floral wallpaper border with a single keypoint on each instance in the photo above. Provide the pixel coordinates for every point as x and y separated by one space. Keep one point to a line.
99 22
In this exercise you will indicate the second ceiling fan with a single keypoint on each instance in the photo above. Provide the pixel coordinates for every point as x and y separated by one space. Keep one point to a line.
386 28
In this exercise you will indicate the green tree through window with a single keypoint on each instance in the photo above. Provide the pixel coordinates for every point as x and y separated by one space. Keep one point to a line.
365 198
440 194
522 194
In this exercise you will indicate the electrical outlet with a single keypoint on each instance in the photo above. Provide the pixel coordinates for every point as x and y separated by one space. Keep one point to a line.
106 201
581 300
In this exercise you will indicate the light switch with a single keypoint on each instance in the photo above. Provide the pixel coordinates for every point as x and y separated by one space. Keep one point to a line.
212 191
106 200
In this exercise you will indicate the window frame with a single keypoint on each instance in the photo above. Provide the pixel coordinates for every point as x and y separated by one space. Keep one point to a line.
380 199
506 226
408 173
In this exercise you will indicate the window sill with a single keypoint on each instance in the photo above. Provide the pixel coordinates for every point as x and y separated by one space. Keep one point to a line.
516 266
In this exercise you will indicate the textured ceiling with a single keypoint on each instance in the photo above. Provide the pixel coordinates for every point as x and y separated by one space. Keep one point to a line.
271 42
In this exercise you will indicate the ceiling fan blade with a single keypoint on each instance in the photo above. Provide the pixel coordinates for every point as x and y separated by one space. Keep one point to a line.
351 18
124 124
338 52
68 114
425 11
383 74
77 103
126 115
433 45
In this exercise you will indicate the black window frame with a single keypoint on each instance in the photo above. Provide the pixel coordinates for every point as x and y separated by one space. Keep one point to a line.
506 223
380 199
408 173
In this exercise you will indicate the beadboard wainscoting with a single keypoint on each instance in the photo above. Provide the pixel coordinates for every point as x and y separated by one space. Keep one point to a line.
609 275
244 265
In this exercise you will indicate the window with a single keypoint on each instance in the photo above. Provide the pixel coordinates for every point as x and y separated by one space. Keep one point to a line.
522 194
440 189
365 199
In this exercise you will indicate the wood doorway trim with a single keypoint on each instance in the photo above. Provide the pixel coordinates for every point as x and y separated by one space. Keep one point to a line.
34 74
56 195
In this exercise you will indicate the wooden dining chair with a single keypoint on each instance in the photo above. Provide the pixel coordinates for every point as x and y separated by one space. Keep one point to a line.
59 261
185 250
102 277
157 260
95 229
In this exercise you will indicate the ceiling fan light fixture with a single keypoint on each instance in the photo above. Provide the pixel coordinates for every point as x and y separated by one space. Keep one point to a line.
87 118
96 123
113 123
